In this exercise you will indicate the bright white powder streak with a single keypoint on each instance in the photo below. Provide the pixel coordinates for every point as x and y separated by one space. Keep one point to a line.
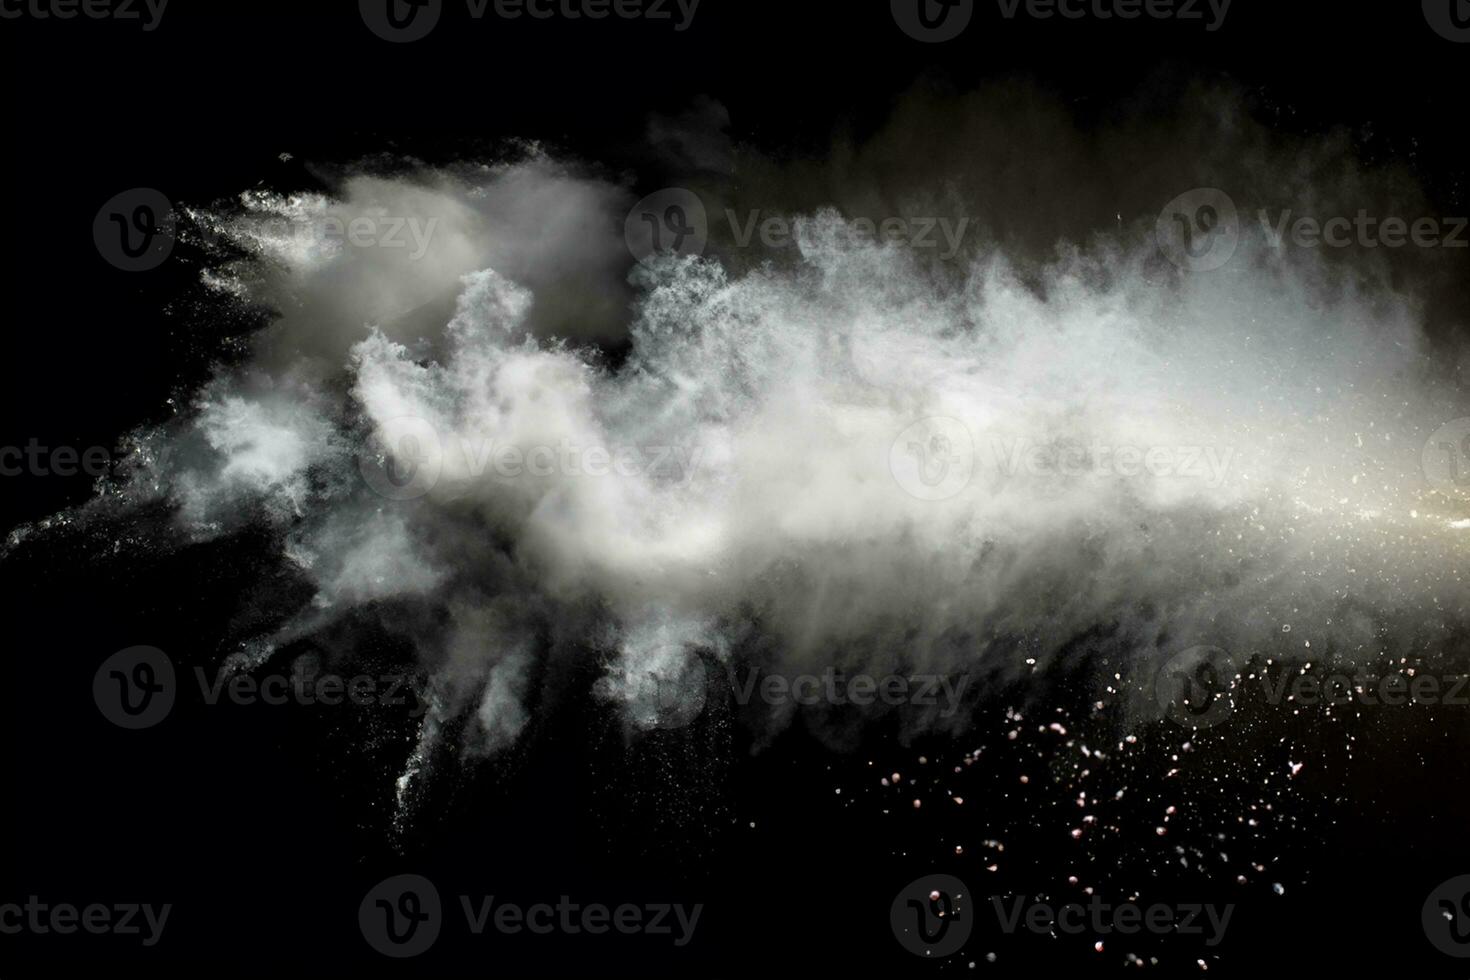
778 395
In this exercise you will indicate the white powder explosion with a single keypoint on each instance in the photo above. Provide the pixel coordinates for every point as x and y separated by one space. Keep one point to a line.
841 454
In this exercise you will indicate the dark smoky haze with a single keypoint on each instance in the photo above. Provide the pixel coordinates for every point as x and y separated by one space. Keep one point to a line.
960 506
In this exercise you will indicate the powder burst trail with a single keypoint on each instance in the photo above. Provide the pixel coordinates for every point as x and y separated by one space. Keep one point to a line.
1151 463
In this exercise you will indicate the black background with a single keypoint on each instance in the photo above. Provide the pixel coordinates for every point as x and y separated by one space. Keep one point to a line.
263 828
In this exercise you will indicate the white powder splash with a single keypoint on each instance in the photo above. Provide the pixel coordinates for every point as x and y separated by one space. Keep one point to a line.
832 457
